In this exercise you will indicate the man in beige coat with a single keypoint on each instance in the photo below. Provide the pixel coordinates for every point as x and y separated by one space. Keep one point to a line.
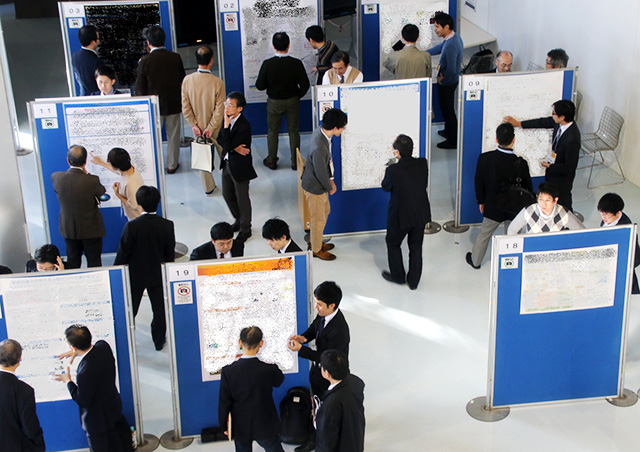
203 98
410 62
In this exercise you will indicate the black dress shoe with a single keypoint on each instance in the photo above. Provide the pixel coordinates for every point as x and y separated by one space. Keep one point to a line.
446 145
172 171
469 259
441 133
160 346
270 165
386 275
236 226
243 236
306 447
412 286
294 167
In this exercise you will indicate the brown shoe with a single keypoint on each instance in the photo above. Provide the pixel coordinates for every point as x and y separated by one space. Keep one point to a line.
325 255
328 246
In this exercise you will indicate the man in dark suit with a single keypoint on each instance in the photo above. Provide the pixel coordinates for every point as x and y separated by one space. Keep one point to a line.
161 73
81 222
494 170
330 331
562 162
86 60
20 429
276 232
340 418
236 165
317 179
610 207
221 246
146 243
409 212
286 82
95 391
246 388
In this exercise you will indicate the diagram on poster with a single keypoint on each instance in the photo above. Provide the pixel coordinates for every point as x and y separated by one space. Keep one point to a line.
522 96
102 128
374 123
54 303
240 294
568 280
259 21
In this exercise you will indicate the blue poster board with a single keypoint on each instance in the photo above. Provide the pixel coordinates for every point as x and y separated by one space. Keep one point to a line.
362 210
560 341
471 125
60 419
196 400
120 30
49 126
234 62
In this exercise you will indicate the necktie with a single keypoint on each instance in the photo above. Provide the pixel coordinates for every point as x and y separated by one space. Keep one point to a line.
341 78
221 255
556 139
320 327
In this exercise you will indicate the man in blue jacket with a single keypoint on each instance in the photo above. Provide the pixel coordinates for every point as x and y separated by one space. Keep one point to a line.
450 51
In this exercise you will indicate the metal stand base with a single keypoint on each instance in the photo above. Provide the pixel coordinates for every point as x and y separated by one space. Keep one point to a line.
181 249
20 152
628 398
477 409
149 443
432 228
185 142
579 216
450 226
169 441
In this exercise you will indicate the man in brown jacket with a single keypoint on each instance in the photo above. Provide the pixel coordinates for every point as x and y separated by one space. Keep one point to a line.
203 97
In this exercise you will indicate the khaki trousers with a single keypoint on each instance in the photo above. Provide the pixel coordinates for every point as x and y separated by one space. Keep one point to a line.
319 209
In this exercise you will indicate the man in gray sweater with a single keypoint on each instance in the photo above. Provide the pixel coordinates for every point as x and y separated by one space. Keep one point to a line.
317 179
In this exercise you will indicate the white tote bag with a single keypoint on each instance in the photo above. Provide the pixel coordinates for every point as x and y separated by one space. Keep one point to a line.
201 154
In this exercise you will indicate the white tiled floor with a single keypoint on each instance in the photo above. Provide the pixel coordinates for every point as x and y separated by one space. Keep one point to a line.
422 354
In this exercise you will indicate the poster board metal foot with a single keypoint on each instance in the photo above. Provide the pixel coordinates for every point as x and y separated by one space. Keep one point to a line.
477 408
149 443
629 398
171 441
432 228
453 228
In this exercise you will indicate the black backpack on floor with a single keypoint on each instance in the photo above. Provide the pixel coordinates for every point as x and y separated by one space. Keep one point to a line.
296 424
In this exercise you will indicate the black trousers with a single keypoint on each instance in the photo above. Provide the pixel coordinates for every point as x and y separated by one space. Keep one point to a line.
92 249
394 238
236 195
159 322
318 383
446 97
108 441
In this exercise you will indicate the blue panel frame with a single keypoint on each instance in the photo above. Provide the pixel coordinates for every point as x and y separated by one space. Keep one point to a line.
198 400
52 152
472 124
60 420
74 43
365 210
231 47
559 355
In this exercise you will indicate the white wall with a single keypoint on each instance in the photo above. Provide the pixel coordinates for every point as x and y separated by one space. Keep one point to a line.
603 40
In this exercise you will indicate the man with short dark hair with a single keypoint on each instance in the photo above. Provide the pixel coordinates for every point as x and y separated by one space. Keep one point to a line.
610 208
221 246
105 79
504 61
160 73
340 420
237 164
286 82
410 62
409 212
45 259
19 425
450 51
317 179
562 161
325 50
95 389
146 243
81 222
203 106
330 331
276 232
341 71
246 388
493 171
86 60
556 59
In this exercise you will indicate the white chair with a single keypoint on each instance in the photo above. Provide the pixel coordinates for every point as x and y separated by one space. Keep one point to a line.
602 140
534 67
